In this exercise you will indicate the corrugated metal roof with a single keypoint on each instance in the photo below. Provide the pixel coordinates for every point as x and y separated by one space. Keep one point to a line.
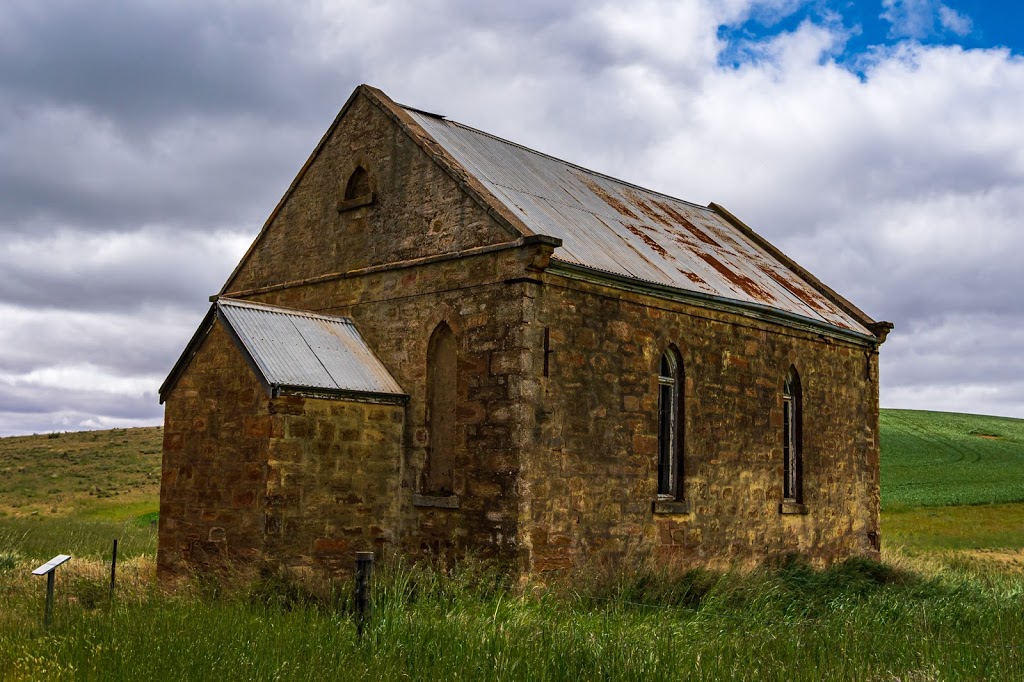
297 349
610 225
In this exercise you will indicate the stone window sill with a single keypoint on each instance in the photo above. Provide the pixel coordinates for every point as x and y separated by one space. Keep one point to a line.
671 507
442 501
358 202
792 508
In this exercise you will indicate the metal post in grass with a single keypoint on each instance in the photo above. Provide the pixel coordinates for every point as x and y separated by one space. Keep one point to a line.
48 569
364 571
113 569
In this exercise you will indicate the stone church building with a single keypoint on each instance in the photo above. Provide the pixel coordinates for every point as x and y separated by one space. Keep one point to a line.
442 341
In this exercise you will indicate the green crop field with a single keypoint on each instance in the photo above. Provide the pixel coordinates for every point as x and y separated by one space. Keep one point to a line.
953 482
943 458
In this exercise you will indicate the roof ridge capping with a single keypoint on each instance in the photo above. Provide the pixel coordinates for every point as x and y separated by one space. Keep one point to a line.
879 328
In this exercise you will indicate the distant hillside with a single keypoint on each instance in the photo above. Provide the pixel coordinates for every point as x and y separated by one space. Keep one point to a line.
928 459
106 474
944 458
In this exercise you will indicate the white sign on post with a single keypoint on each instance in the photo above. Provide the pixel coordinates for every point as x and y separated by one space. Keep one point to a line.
51 564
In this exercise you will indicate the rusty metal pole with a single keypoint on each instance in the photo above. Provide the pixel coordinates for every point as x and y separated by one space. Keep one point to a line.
364 571
113 569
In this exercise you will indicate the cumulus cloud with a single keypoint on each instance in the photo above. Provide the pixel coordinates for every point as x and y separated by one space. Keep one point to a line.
140 160
954 21
918 18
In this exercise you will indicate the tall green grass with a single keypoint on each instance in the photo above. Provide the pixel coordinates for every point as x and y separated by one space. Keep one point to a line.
39 538
856 621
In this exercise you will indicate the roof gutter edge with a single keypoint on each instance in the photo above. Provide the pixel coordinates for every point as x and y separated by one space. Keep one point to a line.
342 393
756 310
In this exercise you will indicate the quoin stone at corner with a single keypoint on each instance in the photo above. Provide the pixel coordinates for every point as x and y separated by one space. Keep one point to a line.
442 342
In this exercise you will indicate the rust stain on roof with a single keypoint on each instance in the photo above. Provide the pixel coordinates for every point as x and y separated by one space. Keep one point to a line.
648 210
685 223
609 199
616 227
639 232
800 290
692 276
752 288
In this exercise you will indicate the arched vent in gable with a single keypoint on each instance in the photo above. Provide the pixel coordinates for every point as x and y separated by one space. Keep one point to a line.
358 191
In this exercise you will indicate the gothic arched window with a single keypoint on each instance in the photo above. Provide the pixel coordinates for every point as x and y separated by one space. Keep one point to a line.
792 459
670 426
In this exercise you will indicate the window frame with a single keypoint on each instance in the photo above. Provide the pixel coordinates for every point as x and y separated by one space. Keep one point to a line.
352 196
792 440
670 427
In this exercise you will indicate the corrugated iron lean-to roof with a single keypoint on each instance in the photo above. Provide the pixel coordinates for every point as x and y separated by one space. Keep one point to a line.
298 351
304 350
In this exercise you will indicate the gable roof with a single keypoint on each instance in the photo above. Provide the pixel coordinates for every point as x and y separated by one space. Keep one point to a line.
616 227
293 351
606 227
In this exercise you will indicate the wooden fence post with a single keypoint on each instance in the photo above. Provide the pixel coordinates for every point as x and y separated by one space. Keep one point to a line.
113 569
364 571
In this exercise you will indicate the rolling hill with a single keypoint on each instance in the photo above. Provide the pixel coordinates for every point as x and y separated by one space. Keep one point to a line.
928 459
945 458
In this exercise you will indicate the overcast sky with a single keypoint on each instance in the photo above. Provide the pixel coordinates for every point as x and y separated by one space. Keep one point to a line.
143 144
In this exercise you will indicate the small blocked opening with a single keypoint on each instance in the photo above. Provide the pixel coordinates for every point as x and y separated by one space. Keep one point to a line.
358 184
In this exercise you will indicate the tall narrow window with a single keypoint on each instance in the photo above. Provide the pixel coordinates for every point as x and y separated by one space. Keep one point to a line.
792 484
669 427
441 393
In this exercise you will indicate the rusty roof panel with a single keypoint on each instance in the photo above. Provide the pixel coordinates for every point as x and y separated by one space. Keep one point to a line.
620 228
304 350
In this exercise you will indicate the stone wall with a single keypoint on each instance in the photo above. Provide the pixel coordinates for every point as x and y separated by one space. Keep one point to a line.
482 300
590 477
217 430
333 479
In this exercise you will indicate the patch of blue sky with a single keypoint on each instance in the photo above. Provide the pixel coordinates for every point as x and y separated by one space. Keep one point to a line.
867 27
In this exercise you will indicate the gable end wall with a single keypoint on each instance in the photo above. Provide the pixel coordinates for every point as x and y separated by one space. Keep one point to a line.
249 480
418 209
217 430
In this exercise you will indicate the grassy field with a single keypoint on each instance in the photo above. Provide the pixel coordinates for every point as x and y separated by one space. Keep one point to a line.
113 475
856 621
942 458
944 605
953 482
